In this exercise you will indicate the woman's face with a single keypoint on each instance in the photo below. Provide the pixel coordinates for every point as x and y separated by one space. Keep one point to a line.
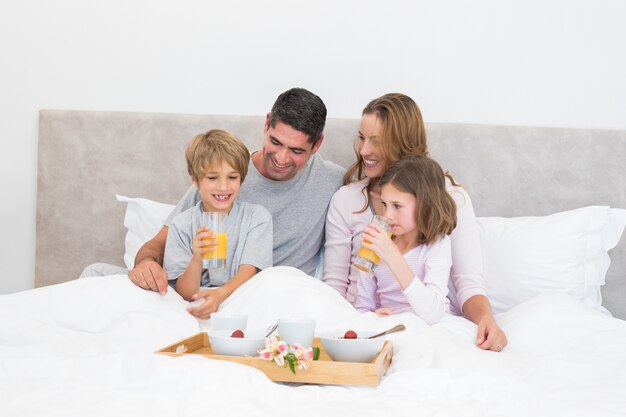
369 145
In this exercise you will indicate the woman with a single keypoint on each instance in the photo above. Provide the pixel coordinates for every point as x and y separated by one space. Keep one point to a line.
392 127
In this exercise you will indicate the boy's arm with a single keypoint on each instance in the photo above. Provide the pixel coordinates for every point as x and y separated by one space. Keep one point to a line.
215 297
257 256
148 272
188 282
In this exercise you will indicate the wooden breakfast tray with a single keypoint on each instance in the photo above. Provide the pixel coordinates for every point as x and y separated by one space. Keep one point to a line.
322 371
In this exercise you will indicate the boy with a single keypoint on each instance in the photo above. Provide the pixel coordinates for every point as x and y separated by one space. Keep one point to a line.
217 162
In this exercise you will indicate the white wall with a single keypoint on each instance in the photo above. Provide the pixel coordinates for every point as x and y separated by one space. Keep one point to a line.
544 63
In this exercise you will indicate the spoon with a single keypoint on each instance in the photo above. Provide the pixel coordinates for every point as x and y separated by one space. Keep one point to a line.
271 330
394 329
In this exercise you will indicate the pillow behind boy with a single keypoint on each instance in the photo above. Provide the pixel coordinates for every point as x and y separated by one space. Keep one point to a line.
143 219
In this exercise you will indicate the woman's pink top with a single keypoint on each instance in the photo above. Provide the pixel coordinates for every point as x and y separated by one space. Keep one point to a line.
425 296
343 239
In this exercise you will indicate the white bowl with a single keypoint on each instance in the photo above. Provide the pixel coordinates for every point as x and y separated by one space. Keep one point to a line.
227 321
353 350
223 344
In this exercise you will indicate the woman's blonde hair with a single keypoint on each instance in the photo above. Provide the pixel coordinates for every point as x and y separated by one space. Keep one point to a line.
423 178
403 132
208 149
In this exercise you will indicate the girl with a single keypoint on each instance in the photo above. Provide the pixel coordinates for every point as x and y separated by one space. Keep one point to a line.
415 263
391 128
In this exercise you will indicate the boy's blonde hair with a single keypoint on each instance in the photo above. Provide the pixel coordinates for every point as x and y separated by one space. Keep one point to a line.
210 148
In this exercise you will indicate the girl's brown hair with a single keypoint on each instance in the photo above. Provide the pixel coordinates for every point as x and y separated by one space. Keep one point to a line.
210 148
423 178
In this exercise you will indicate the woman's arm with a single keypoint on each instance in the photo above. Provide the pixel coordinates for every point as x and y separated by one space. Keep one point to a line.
338 244
489 335
470 296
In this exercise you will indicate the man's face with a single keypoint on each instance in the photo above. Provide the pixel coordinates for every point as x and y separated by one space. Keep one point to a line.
285 151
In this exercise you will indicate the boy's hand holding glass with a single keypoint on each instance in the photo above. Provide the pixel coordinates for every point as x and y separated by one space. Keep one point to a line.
215 222
204 242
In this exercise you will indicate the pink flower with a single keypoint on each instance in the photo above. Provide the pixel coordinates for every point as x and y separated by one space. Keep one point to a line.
305 358
274 350
279 352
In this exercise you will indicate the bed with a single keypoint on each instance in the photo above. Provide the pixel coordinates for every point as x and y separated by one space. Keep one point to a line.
551 213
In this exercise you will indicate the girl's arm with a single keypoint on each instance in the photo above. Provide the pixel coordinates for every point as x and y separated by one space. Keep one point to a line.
428 296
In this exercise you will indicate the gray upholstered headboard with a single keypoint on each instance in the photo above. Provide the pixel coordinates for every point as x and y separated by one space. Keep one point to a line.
85 158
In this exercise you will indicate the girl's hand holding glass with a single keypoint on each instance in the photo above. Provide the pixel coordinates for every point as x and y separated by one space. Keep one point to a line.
379 241
367 259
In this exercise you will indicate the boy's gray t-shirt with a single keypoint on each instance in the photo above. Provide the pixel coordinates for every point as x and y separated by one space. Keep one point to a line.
298 207
249 231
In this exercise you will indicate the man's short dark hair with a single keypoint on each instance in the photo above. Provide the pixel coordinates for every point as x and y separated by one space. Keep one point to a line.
302 110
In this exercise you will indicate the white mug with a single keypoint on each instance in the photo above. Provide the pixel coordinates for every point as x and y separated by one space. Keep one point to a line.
293 330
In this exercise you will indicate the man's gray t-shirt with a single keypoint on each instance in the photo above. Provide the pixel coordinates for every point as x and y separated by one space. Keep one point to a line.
298 207
249 231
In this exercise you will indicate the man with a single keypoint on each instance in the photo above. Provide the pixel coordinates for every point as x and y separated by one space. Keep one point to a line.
287 176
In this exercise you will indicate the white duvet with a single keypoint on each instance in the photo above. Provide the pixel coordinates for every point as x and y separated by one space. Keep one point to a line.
86 348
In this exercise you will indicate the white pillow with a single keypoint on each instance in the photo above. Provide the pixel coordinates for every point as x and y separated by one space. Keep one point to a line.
522 256
143 219
566 252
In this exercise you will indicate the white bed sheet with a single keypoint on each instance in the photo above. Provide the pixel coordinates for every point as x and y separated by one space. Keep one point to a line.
86 348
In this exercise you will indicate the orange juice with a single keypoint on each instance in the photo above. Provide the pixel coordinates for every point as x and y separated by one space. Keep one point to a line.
219 251
366 259
368 254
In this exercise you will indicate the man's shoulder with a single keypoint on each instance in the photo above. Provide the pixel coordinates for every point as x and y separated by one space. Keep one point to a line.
327 174
329 166
184 218
253 209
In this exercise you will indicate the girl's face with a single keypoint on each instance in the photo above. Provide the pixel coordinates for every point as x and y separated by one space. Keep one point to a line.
219 187
369 145
400 208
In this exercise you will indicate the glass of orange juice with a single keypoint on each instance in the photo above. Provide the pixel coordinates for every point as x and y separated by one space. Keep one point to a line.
366 259
215 221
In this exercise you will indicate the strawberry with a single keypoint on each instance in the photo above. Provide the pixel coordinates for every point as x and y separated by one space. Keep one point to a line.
237 333
350 334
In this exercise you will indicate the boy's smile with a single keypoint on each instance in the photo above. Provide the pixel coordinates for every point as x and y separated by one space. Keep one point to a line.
219 187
